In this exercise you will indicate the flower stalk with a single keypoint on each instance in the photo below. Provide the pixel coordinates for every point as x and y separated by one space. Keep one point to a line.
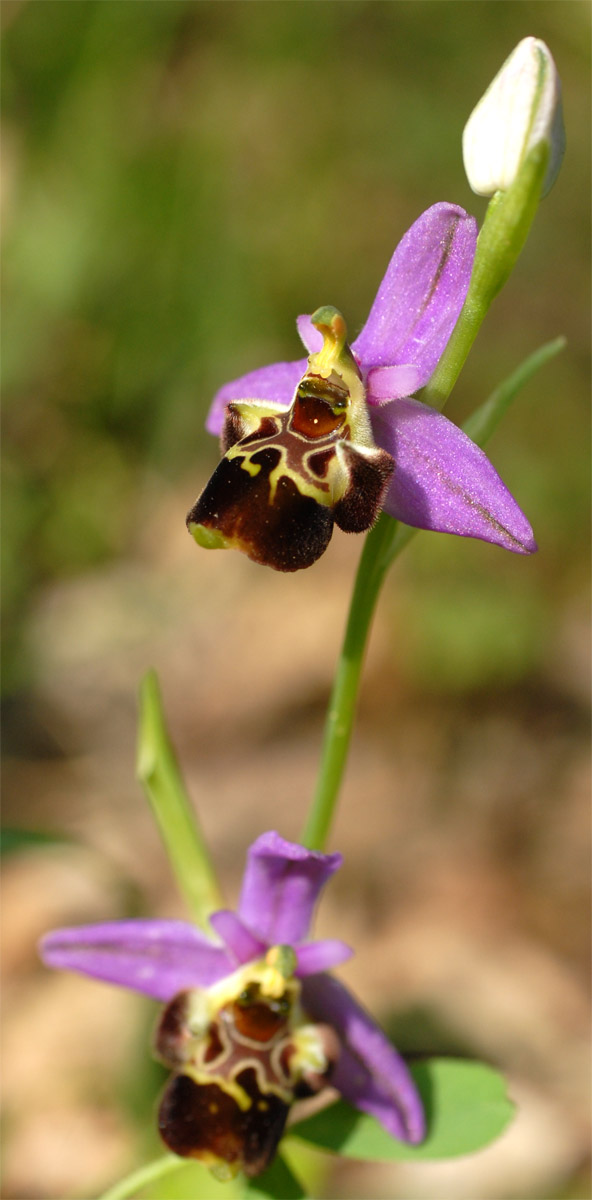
136 1181
377 554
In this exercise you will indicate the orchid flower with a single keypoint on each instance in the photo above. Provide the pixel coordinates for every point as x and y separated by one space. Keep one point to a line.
252 1019
337 437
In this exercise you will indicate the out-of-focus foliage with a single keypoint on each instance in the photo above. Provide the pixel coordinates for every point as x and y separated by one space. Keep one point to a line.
182 178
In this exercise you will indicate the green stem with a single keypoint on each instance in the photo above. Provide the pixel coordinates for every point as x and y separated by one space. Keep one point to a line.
158 771
376 557
143 1176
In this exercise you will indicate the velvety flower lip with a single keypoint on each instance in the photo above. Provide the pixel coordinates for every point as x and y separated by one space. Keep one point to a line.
281 885
441 481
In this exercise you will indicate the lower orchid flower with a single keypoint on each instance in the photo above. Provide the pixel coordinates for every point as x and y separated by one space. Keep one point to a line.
335 438
252 1019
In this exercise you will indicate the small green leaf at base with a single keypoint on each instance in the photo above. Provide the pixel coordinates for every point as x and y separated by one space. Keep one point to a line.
466 1106
277 1182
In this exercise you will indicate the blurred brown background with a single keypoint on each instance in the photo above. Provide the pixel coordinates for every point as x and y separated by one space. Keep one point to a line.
180 180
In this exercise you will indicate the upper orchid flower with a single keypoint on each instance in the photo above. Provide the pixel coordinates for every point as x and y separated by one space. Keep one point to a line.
252 1020
336 437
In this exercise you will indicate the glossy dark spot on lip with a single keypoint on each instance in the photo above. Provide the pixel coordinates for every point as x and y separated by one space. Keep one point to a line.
313 417
260 1019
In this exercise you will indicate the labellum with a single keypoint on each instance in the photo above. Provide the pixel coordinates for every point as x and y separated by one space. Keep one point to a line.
288 475
243 1052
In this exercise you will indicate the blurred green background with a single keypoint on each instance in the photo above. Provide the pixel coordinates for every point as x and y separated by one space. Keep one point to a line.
180 180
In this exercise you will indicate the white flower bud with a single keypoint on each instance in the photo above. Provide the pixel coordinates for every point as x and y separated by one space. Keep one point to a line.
521 107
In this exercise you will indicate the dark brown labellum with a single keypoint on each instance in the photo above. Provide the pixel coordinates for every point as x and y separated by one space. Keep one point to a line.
287 476
236 1074
201 1120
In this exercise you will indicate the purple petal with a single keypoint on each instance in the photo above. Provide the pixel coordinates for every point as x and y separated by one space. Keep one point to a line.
281 884
159 958
369 1073
314 957
309 335
422 293
443 481
392 383
243 947
276 383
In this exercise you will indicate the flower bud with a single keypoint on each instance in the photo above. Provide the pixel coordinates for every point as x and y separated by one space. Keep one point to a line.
520 109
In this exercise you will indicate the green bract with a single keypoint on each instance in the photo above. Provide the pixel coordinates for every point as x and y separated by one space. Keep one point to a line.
466 1105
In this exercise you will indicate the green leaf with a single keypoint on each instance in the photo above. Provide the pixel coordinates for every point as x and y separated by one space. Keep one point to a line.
485 419
277 1181
466 1107
158 771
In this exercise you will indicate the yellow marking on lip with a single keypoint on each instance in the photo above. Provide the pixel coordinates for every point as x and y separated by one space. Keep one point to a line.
230 1086
305 487
251 467
238 451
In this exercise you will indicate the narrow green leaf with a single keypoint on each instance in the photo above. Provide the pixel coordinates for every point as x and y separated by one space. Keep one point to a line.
277 1182
158 771
483 422
466 1107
